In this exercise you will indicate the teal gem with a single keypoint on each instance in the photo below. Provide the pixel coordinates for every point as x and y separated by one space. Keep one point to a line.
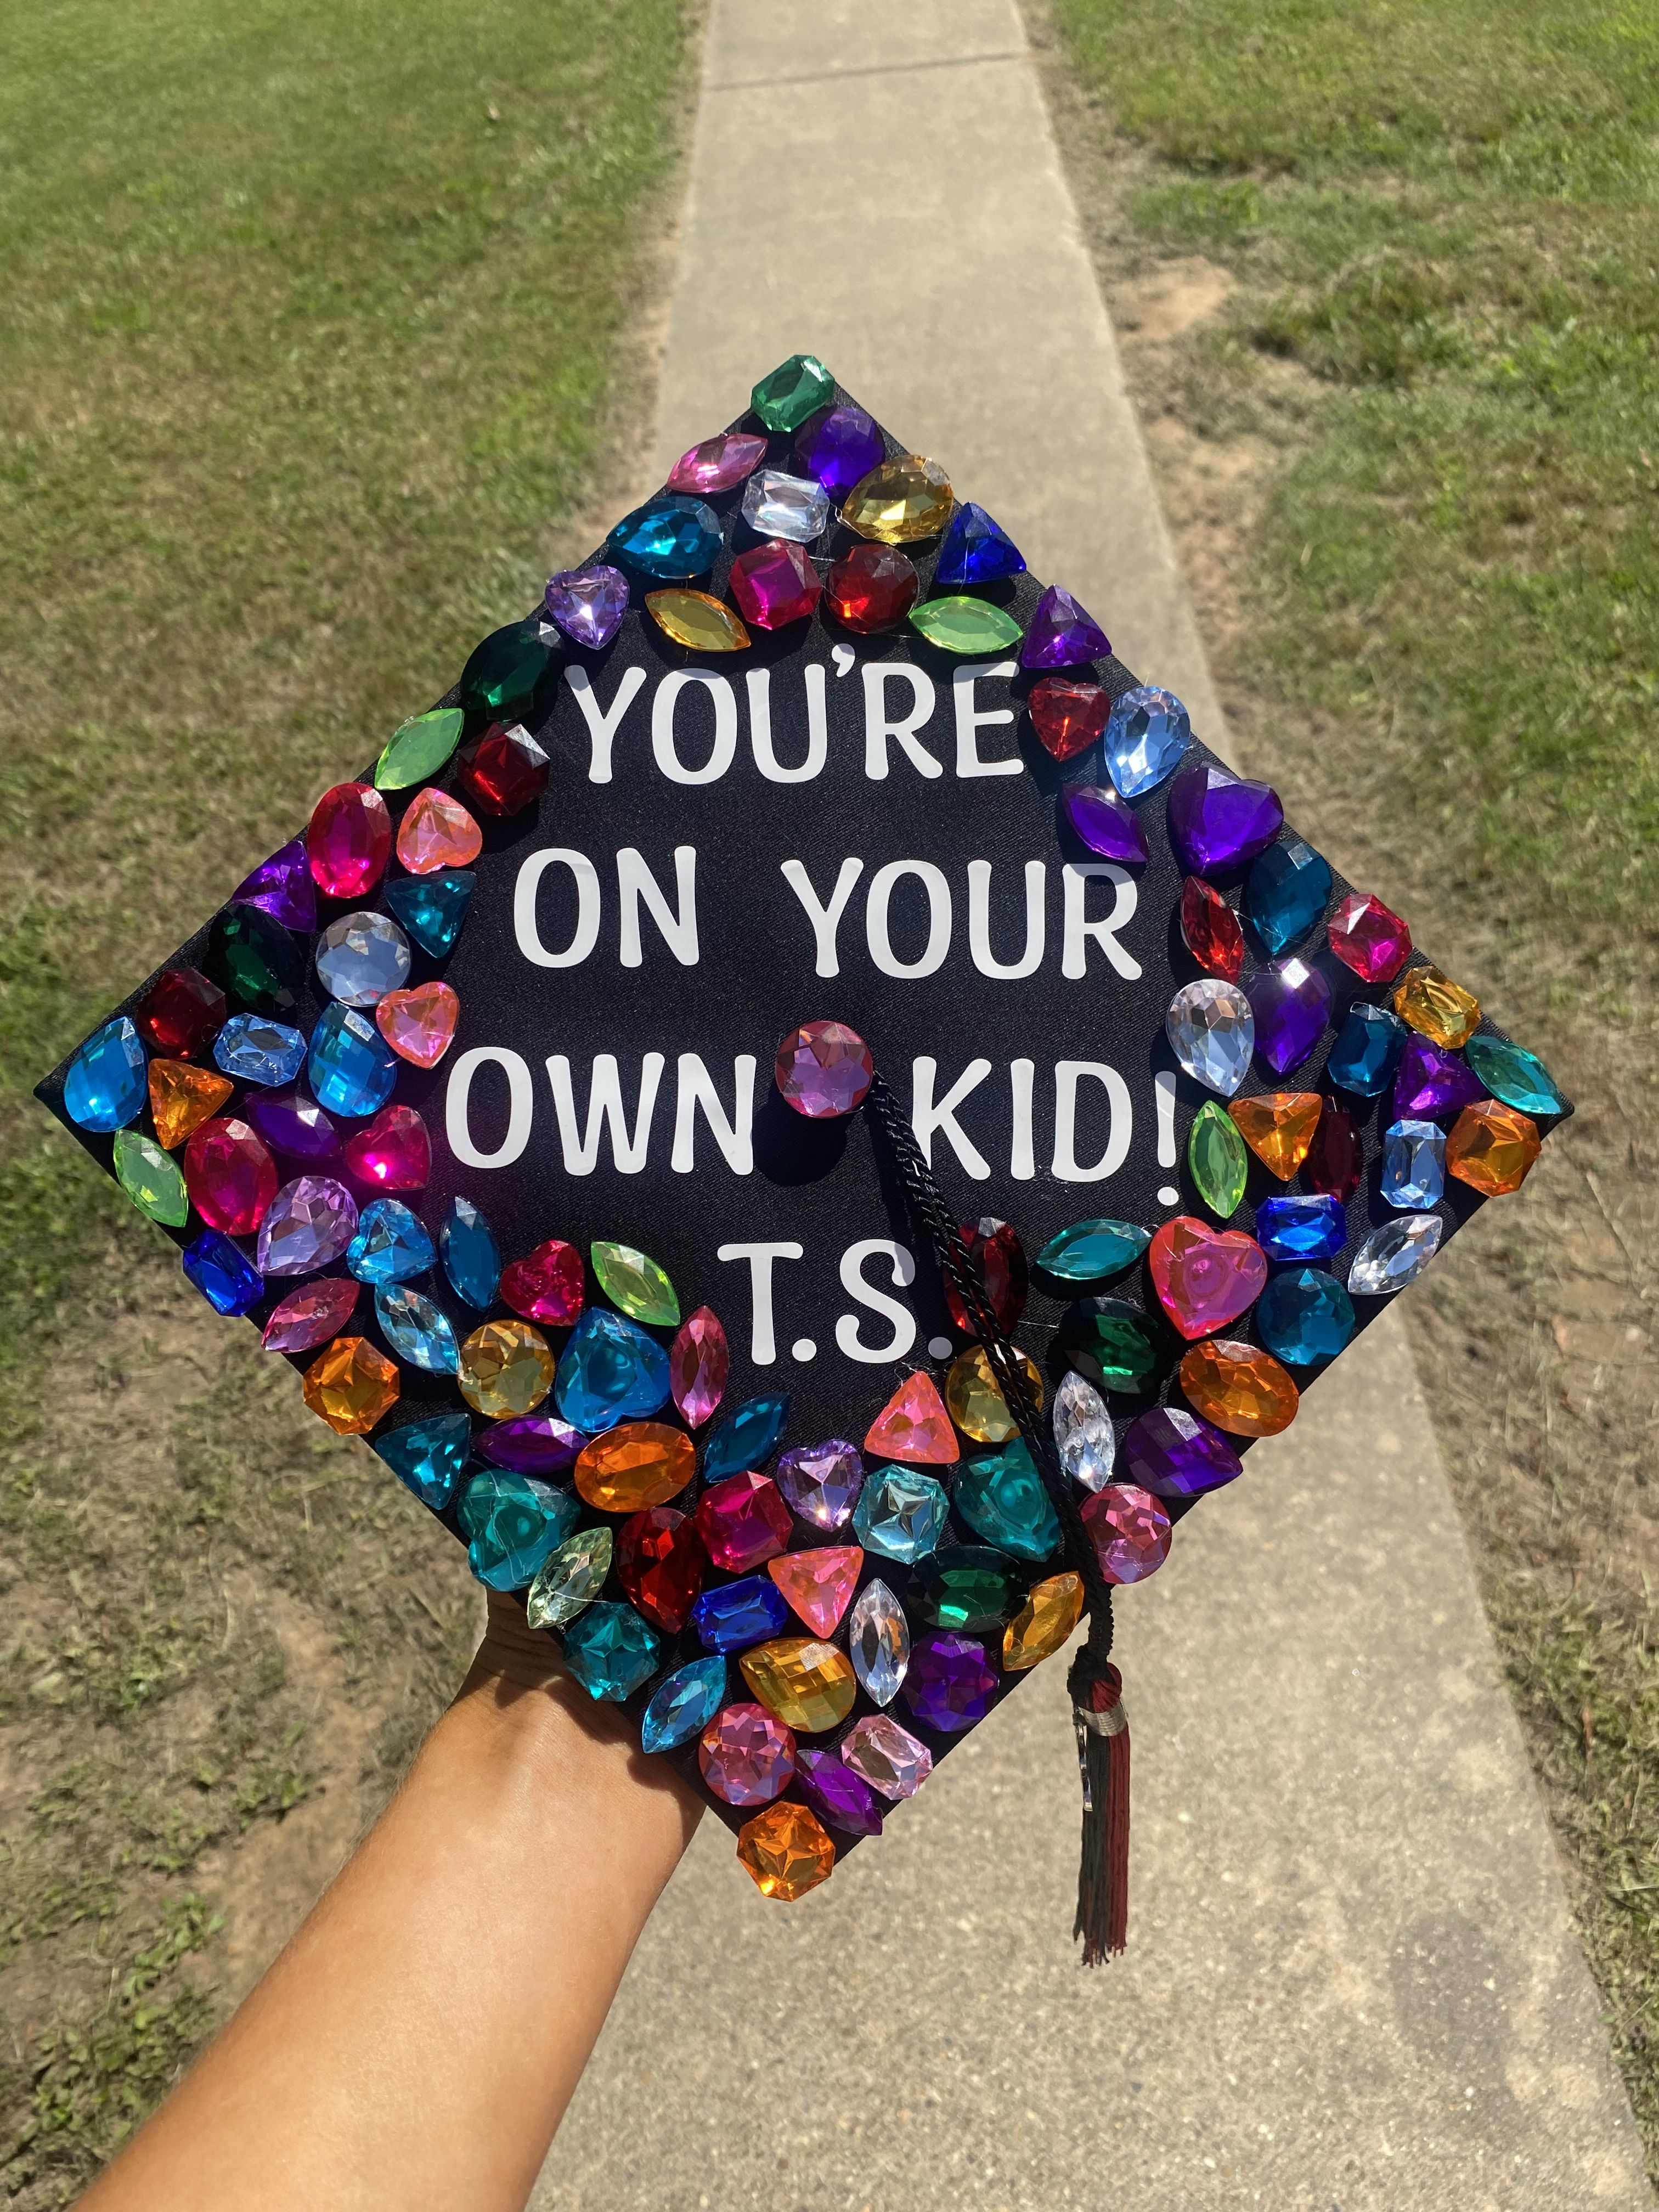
506 668
609 1371
512 1523
1090 1250
746 1438
428 1455
471 1257
684 1705
1003 1500
609 1651
1367 1049
108 1079
1305 1316
353 1069
968 1588
390 1245
433 908
1512 1073
1286 891
669 538
416 1329
901 1514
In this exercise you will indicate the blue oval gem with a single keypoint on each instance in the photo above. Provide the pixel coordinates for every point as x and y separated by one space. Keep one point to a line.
471 1257
433 908
428 1455
108 1079
1286 891
353 1068
222 1273
609 1371
1003 1498
513 1521
737 1614
416 1329
1301 1227
255 1049
669 536
683 1705
609 1651
746 1438
1305 1316
390 1245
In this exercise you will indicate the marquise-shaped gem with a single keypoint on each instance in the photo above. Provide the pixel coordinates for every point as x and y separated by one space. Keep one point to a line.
351 1386
746 1438
684 1705
809 1685
976 1400
1103 824
819 1584
535 1444
314 1313
913 1425
1043 1624
699 1360
416 1328
1209 930
471 1257
437 832
960 624
427 1457
1003 1498
432 907
1217 1159
1240 1389
879 1642
418 749
1278 1126
150 1179
1205 1277
900 501
1492 1148
547 1285
641 1463
635 1283
505 1368
696 620
1090 1251
1512 1073
569 1578
716 463
181 1098
348 840
1083 1432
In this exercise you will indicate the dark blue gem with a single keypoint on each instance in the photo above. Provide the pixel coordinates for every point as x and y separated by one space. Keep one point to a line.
433 908
471 1257
737 1614
1367 1048
224 1276
1286 891
1305 1316
428 1455
746 1438
1301 1227
974 550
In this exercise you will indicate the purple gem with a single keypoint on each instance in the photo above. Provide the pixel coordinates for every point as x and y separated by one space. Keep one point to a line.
1292 1003
1173 1454
836 1795
281 887
1104 823
588 603
1432 1082
822 1482
536 1443
1062 634
309 1222
291 1123
1218 820
838 447
949 1684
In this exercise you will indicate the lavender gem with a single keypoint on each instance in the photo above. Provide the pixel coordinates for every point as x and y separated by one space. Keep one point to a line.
588 603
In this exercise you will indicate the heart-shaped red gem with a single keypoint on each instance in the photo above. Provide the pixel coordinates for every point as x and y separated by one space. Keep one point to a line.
1205 1277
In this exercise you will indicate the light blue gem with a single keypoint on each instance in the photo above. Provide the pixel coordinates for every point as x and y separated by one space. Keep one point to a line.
974 550
1305 1316
1286 891
224 1275
1367 1050
390 1245
360 957
353 1068
433 908
1512 1073
1089 1251
1003 1498
428 1455
1414 1165
471 1257
512 1523
609 1371
1147 733
416 1329
255 1049
669 536
1301 1227
1395 1254
609 1651
685 1704
107 1079
901 1514
746 1438
733 1615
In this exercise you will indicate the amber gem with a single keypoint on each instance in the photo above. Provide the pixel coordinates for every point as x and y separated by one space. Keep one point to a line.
1240 1389
1279 1127
351 1385
181 1098
976 1403
787 1850
1491 1148
1444 1012
808 1684
641 1463
1051 1611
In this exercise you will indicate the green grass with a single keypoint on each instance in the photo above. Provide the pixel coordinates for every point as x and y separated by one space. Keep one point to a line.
319 331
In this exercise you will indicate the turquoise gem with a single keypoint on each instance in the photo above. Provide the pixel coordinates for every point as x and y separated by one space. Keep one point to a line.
255 1049
1090 1250
1413 1165
669 538
505 669
901 1514
1305 1316
746 1438
1286 891
433 908
108 1079
1367 1049
685 1704
513 1521
353 1068
416 1329
471 1257
428 1455
390 1245
1512 1073
226 1278
609 1371
1003 1500
609 1651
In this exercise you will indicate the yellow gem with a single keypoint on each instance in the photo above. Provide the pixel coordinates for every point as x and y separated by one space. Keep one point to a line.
697 619
1444 1012
1051 1611
506 1367
641 1463
351 1385
1491 1148
787 1850
976 1404
900 501
1279 1127
806 1684
182 1098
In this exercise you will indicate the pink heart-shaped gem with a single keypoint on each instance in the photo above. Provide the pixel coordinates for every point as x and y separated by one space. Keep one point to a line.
1205 1277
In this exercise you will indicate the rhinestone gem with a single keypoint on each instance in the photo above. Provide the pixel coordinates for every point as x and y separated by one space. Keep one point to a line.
181 1013
416 1328
1305 1316
232 1178
360 957
1492 1148
1286 893
733 1615
547 1285
1111 1343
778 506
282 888
635 1283
310 1223
886 1756
871 589
1043 1624
1089 1251
1063 633
957 624
1240 1389
670 538
879 1642
774 584
181 1098
684 1705
505 669
1444 1011
838 447
506 1367
1209 930
588 603
1217 820
390 1245
1336 1159
419 749
822 1481
1278 1126
1395 1254
818 1583
975 1401
1430 1082
428 1455
432 909
662 1564
502 771
1067 714
308 1316
1301 1227
699 1360
715 465
1366 1049
610 1369
1003 1499
1512 1073
794 390
226 1279
1083 1432
786 1852
569 1578
913 1425
974 550
996 1259
901 1514
742 1522
437 832
351 1067
609 1651
1212 1032
627 1468
967 1588
150 1179
1172 1454
808 1684
1367 937
537 1444
747 1755
419 1024
256 1049
512 1522
746 1438
349 839
1292 1003
351 1386
256 959
1148 731
1103 823
900 501
835 1793
292 1123
823 1070
1130 1532
951 1684
1217 1159
107 1079
696 620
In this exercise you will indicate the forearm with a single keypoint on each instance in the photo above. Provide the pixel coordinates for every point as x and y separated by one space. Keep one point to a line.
418 2041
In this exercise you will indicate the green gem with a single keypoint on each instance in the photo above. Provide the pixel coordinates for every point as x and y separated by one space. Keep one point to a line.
415 753
965 625
1110 1344
570 1577
1217 1159
150 1178
507 666
1003 1499
796 388
1089 1250
256 959
637 1283
1512 1073
968 1588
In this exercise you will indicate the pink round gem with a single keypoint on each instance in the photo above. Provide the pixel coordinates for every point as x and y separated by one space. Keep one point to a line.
743 1520
698 1361
546 1285
825 1070
747 1756
1369 937
394 1152
348 840
718 463
774 584
312 1315
230 1176
419 1024
1130 1531
886 1756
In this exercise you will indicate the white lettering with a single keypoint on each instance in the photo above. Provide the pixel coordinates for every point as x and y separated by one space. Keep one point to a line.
525 892
878 1302
696 1089
1074 957
825 920
972 718
925 1117
762 1346
882 885
602 727
604 1103
635 881
1022 1154
760 727
724 749
521 1107
979 922
877 728
1068 1073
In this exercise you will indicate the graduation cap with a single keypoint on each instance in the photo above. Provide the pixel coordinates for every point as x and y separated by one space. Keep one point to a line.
809 1120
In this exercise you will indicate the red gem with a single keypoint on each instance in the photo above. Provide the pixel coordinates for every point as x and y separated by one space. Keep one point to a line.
774 584
394 1153
743 1520
503 771
872 588
1369 937
1335 1161
181 1013
1211 929
230 1176
546 1285
348 840
998 1258
661 1563
1068 715
699 1360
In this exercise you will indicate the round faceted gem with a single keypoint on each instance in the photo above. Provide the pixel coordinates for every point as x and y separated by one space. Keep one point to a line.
569 1578
282 888
437 832
1212 1032
637 1283
1217 1159
505 1368
1109 1342
774 584
1043 1624
684 1705
1067 714
260 964
360 957
588 603
746 1438
108 1079
1089 1251
823 1070
835 1794
996 1259
786 1851
775 505
1335 1159
886 1756
696 620
1278 1126
699 1360
505 669
1367 1050
1205 1277
512 1522
610 1369
639 1464
819 1584
1218 820
1369 937
1144 737
1103 823
432 907
231 1177
715 464
951 1684
1209 930
312 1315
416 1328
181 1013
310 1223
1430 1082
503 771
391 1244
419 749
349 839
900 501
1512 1073
536 1443
226 1279
808 1684
351 1386
669 538
960 624
1292 1003
1286 893
976 550
795 389
1063 634
743 1520
1129 1530
609 1651
1004 1499
1491 1148
822 1482
1241 1389
256 1049
1083 1432
969 1587
838 447
471 1257
901 1514
733 1615
661 1564
293 1124
913 1425
1395 1254
878 1641
747 1755
976 1403
1314 1228
181 1098
871 589
547 1285
1303 1316
419 1024
1172 1454
1444 1011
351 1067
150 1179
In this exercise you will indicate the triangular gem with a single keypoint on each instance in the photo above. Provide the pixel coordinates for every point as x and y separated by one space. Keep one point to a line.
913 1425
182 1098
1279 1127
819 1584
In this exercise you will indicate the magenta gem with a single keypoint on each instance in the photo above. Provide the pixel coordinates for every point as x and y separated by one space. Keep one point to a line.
348 840
699 1360
1173 1454
535 1444
822 1481
309 1223
588 603
312 1315
281 887
291 1123
1292 1003
1062 634
717 464
1130 1531
393 1151
1369 937
886 1756
839 448
825 1070
1104 823
1432 1081
747 1756
774 584
547 1285
743 1520
836 1795
1217 820
950 1684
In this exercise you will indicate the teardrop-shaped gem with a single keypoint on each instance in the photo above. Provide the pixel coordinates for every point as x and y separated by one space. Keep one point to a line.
437 832
311 1222
961 625
1217 1159
900 501
418 749
150 1179
348 840
1212 1032
696 620
635 1282
419 1024
1089 1251
416 1328
1278 1126
819 1583
182 1098
804 1682
699 1360
671 538
1083 1432
913 1425
879 1642
569 1577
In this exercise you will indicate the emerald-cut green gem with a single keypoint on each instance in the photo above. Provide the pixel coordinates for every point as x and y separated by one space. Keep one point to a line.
637 1285
796 388
1090 1250
569 1578
415 753
966 1586
1217 1159
507 666
965 625
1111 1343
150 1178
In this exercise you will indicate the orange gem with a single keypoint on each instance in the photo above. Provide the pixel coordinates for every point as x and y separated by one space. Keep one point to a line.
913 1425
437 832
1279 1127
1241 1389
787 1850
641 1463
351 1385
1051 1611
182 1098
1444 1010
419 1024
1491 1148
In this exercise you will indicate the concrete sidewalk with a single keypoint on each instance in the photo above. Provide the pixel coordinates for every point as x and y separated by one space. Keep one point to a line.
1352 1980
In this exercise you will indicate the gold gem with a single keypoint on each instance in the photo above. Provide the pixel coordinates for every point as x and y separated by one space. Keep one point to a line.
1445 1012
1051 1611
900 501
697 619
505 1368
641 1463
806 1684
1491 1148
351 1385
787 1851
976 1404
